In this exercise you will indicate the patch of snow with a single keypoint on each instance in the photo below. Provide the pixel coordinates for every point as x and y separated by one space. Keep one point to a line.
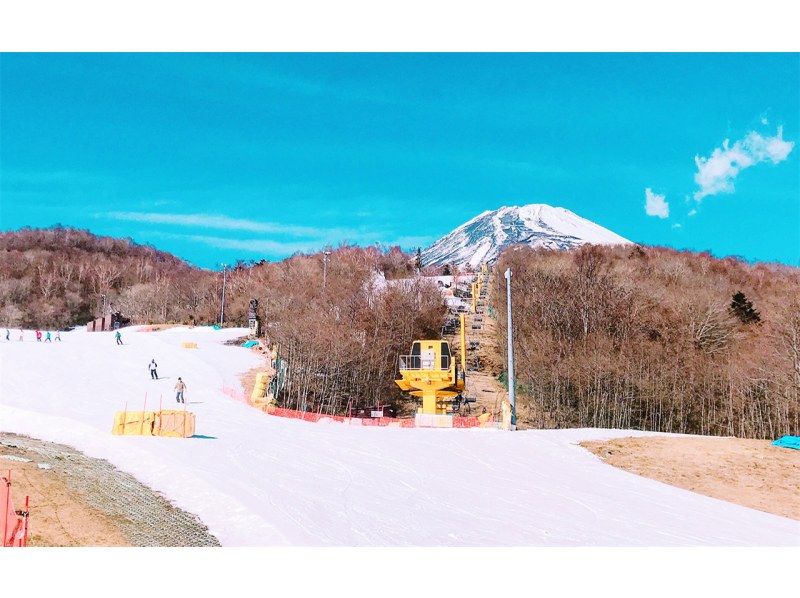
260 480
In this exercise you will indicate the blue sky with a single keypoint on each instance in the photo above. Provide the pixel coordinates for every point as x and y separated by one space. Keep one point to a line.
215 157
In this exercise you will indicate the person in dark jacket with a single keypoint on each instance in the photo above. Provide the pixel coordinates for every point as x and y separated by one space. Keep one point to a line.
152 367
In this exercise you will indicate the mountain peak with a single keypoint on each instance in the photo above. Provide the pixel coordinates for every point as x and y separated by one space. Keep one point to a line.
484 237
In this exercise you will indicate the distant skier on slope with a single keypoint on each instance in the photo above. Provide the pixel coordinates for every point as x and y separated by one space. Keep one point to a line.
58 335
180 387
38 336
8 334
118 337
47 338
152 367
21 335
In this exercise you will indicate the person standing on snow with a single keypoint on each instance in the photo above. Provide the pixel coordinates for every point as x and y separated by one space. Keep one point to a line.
118 336
8 334
47 338
152 367
58 335
38 336
180 387
21 335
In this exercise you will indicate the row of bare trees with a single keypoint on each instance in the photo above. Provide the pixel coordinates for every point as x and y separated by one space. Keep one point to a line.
57 277
341 340
655 339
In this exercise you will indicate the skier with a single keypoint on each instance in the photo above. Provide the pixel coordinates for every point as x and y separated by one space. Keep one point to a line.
21 335
180 387
38 336
8 334
58 335
47 338
152 367
118 336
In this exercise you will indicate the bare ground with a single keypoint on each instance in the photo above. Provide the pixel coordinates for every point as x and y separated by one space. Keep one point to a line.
751 473
76 500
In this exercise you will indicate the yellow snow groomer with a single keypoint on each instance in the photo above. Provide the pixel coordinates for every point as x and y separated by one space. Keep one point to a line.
432 373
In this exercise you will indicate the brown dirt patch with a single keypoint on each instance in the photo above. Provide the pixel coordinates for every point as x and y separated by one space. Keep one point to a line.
58 516
751 473
76 500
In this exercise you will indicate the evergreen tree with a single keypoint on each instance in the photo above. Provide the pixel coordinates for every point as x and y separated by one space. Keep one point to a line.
742 308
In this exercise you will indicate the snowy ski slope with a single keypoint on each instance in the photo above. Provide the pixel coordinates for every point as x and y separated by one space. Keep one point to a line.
260 480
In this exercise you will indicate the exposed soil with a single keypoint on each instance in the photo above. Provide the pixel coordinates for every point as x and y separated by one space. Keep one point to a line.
751 473
79 501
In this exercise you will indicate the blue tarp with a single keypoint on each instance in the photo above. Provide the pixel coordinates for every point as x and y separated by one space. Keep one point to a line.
792 442
248 344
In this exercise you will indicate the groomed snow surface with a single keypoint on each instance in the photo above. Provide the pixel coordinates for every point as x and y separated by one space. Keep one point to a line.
260 480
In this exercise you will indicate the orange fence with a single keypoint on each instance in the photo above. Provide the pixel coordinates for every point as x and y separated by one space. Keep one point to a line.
389 422
15 523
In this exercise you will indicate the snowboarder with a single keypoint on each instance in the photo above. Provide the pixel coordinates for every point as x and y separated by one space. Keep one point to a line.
38 336
152 367
47 338
180 387
58 335
118 336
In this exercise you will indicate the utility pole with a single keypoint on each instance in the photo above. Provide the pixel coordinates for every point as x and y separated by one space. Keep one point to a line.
325 255
512 398
222 310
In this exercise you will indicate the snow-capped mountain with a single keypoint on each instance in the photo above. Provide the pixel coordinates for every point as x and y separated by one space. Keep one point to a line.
484 238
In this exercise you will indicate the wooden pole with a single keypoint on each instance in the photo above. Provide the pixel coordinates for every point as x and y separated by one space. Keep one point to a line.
141 423
27 515
5 513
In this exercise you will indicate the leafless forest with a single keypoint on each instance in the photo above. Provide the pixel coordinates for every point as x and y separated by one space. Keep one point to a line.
646 338
655 339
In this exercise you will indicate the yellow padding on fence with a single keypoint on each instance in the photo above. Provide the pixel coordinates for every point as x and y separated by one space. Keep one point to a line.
134 423
187 345
179 424
260 386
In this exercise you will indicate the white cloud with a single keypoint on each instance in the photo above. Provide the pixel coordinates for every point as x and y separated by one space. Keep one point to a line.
764 120
212 221
692 212
655 204
677 225
716 173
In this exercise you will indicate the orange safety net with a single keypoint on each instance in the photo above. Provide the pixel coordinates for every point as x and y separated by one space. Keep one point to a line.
394 422
459 421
